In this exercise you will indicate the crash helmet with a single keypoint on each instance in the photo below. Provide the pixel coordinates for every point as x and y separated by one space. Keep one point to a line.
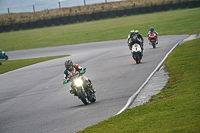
136 32
151 29
68 64
132 31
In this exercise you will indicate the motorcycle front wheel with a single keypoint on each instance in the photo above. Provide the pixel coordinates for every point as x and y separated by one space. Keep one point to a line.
83 98
6 57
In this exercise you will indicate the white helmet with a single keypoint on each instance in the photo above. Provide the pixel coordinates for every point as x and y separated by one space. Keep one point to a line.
136 32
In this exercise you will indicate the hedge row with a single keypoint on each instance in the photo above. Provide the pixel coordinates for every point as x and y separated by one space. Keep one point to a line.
97 16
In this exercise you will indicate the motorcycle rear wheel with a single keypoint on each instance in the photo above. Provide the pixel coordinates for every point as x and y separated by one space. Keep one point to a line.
154 44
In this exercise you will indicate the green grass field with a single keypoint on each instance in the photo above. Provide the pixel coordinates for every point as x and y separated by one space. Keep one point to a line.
183 21
175 109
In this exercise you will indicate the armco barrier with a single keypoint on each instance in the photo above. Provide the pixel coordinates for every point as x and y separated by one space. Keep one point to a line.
197 3
159 8
99 15
73 19
81 17
105 15
113 14
7 28
167 7
191 4
48 22
65 19
32 25
120 13
144 10
183 5
136 10
89 17
24 26
129 11
1 28
16 26
40 23
151 9
175 6
56 21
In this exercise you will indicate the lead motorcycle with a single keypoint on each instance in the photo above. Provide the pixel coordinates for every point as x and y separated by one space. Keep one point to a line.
3 55
137 53
136 49
152 39
82 89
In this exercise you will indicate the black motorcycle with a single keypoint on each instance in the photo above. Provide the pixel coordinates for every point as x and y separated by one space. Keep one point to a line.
83 91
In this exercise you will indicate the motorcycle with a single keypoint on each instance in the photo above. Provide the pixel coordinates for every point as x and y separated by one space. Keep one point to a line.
137 53
3 55
152 39
82 89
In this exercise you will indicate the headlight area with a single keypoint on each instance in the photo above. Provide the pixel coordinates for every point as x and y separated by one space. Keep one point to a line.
78 82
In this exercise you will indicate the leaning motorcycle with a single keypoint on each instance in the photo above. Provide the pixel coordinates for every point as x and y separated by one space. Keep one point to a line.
82 89
152 39
137 53
3 55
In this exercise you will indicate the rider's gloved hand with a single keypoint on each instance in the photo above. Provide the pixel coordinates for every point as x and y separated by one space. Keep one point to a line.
82 72
65 81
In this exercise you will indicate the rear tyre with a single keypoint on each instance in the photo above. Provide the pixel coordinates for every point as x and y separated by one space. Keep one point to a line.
154 44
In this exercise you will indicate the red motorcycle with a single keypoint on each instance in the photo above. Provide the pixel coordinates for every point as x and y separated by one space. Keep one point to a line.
152 39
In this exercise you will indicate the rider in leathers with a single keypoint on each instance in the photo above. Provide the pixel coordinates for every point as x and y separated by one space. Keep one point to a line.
136 37
70 74
151 32
140 37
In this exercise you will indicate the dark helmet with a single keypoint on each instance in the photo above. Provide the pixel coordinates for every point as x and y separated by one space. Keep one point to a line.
151 29
68 64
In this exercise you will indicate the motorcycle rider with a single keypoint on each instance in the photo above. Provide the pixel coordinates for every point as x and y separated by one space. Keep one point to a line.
71 71
153 31
131 35
136 37
140 37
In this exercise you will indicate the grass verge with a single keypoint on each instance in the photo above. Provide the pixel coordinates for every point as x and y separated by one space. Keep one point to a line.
10 65
182 21
175 109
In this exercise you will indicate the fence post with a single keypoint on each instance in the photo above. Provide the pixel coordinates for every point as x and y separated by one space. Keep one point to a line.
84 2
106 1
33 8
8 12
59 5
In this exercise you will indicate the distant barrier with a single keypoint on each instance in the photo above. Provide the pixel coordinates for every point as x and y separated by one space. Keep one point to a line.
99 15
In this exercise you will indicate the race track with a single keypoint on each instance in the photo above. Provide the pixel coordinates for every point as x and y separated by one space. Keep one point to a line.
33 99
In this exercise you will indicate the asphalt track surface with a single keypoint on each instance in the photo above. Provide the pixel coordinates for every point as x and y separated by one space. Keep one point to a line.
33 99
